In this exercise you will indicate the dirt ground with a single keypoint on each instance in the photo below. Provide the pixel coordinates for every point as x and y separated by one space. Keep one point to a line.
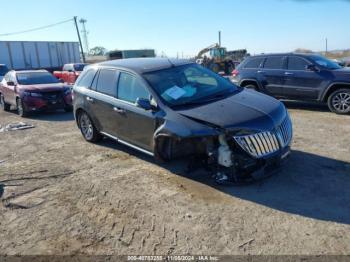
62 195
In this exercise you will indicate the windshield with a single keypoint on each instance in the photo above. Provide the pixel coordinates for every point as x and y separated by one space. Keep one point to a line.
3 70
36 78
79 67
189 84
323 61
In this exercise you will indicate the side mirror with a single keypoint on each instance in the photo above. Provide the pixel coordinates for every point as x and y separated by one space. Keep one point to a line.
312 67
60 80
10 83
144 103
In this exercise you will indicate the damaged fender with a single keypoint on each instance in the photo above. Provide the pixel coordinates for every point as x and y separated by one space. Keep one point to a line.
174 138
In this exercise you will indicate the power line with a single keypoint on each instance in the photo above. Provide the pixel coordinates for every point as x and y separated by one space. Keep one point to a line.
37 28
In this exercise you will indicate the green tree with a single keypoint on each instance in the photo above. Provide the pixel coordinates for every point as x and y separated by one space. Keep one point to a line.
97 51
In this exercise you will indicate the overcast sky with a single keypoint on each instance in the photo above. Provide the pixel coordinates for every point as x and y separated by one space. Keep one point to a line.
186 26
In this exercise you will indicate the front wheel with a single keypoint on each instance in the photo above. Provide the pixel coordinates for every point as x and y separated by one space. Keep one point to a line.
20 108
87 128
339 101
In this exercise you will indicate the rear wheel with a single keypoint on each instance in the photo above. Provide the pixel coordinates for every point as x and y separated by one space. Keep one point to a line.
87 128
20 108
3 104
339 101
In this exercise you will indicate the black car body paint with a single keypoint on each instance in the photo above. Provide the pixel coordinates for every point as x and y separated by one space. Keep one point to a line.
205 130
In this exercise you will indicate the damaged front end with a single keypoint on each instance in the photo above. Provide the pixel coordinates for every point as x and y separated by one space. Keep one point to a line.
233 157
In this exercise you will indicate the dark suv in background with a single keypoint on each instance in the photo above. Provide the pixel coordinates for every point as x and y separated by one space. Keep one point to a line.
297 77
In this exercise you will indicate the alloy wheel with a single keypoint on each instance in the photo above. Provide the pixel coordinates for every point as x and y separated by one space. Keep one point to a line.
341 102
86 126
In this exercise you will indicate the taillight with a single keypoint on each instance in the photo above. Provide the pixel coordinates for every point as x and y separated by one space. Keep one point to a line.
235 73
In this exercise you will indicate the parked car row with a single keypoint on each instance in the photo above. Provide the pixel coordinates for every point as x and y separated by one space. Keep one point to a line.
296 76
32 91
176 108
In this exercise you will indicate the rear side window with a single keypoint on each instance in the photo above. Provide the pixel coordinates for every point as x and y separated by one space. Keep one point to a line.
107 82
274 62
86 78
130 88
296 63
253 63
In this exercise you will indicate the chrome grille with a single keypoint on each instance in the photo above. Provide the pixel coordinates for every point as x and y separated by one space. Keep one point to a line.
284 132
265 143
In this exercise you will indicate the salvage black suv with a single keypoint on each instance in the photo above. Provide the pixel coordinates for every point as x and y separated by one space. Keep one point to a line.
297 77
175 109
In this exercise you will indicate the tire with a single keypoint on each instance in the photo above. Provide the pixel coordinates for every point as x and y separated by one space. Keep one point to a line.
20 108
87 128
4 105
339 101
252 86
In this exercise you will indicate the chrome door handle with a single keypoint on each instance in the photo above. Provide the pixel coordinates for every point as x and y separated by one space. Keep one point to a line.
119 110
260 72
288 73
89 99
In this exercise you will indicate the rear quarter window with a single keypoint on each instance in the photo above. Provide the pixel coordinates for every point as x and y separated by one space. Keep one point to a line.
85 79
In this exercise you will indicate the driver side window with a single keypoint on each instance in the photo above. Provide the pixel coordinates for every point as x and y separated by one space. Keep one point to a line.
130 88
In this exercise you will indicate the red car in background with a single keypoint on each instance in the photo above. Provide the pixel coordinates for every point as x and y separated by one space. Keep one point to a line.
31 91
70 72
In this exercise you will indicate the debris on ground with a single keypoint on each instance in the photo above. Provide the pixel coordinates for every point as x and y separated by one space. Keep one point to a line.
16 126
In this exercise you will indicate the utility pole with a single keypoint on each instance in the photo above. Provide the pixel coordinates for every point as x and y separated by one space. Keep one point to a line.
219 38
81 45
85 33
326 46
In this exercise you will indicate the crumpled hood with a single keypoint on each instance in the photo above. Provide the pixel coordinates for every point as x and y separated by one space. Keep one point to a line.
247 110
43 88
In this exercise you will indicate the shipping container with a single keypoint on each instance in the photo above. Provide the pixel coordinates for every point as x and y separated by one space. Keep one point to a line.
122 54
24 55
